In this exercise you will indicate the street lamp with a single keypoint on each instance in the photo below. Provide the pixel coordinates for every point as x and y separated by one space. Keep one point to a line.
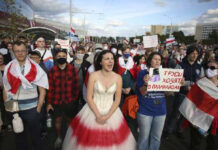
171 26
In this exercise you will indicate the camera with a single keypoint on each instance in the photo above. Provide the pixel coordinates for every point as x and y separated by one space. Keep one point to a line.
156 71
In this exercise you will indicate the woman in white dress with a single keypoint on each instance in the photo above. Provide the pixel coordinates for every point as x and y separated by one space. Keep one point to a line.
100 124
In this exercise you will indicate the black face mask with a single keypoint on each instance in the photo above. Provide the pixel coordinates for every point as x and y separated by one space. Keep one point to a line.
61 61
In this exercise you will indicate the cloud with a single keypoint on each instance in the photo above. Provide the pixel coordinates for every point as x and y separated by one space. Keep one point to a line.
115 23
210 16
160 3
124 30
50 7
202 1
133 14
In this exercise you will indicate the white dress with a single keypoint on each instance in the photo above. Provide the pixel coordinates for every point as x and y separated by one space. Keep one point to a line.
85 133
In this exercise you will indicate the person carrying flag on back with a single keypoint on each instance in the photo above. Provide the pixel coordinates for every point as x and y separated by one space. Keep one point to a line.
200 108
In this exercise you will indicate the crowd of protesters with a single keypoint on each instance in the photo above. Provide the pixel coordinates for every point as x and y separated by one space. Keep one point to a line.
59 87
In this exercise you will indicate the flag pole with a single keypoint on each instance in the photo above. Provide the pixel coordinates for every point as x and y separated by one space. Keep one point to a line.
71 13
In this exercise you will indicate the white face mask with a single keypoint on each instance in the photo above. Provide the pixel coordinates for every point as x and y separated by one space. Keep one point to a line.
79 56
114 50
120 52
211 73
105 48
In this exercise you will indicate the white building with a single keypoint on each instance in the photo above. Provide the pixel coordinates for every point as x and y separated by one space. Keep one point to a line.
202 31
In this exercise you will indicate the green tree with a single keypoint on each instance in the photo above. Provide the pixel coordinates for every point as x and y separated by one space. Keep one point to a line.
163 38
179 36
190 39
15 20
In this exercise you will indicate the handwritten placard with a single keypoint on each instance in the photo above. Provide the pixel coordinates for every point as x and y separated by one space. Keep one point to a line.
150 41
165 79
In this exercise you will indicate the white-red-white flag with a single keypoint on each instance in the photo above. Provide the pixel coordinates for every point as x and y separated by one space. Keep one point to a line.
170 41
126 41
72 30
32 23
200 106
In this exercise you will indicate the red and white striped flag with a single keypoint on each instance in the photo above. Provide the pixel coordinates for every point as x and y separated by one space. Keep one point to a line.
200 106
126 41
32 23
170 41
72 30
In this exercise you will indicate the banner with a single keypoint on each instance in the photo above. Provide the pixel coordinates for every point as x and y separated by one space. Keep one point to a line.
63 43
150 41
162 79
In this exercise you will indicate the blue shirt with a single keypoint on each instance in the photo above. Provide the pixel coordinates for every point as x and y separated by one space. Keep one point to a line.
153 103
48 64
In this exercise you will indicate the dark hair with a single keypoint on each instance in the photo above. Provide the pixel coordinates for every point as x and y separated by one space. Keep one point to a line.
60 50
10 43
125 48
35 53
80 48
98 66
215 49
2 55
191 49
137 58
56 44
150 57
19 43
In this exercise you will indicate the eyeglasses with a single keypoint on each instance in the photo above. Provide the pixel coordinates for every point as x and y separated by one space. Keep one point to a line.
22 51
211 67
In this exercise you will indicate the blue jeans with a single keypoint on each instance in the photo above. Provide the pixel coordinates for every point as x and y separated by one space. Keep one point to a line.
150 131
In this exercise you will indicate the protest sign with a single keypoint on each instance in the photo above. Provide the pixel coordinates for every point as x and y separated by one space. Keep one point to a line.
165 79
150 41
63 43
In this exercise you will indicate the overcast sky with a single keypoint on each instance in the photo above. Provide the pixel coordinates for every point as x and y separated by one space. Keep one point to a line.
129 17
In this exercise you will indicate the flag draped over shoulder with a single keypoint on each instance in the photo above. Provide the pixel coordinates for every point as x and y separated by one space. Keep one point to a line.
33 73
200 107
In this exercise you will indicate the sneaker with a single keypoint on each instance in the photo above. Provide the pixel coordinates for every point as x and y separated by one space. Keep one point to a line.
58 143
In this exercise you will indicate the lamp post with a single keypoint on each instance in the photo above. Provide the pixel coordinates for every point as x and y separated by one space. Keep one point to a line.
171 24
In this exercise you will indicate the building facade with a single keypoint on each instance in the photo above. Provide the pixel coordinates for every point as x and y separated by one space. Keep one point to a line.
202 31
161 29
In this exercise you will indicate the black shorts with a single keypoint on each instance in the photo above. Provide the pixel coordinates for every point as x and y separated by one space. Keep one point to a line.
65 110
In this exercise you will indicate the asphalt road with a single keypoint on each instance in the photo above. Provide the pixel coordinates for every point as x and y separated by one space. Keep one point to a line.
7 139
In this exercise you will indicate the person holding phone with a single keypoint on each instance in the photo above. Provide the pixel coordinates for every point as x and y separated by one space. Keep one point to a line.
152 107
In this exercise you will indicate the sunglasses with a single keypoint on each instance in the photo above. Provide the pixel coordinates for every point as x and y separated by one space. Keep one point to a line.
211 67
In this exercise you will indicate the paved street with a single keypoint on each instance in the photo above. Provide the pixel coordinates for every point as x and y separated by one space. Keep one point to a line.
7 139
7 142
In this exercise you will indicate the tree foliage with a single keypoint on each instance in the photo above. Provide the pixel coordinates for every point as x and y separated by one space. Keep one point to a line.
15 20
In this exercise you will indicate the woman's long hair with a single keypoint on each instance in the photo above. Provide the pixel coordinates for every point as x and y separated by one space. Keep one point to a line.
98 65
150 57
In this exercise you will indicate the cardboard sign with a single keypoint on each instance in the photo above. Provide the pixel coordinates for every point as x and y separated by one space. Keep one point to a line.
165 79
63 43
150 41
